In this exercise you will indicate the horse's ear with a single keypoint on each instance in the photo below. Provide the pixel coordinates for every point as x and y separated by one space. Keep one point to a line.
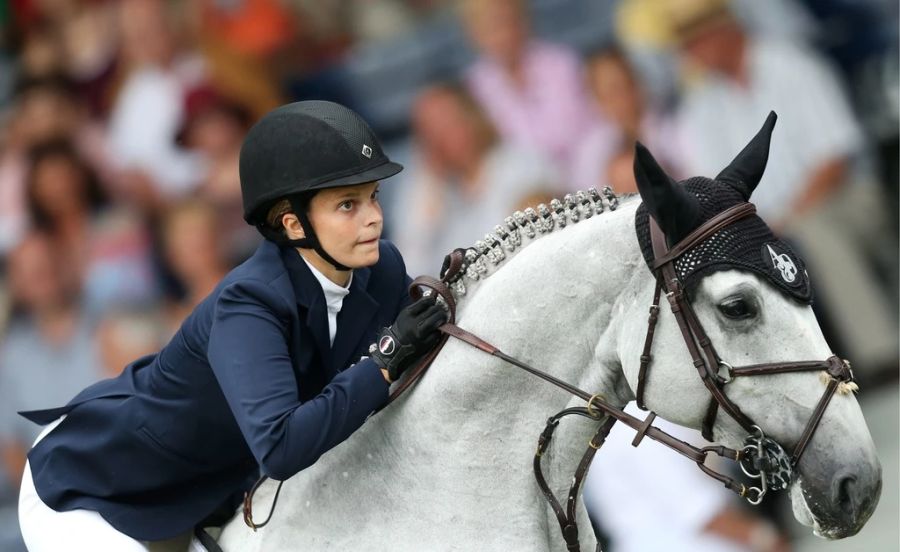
745 172
675 210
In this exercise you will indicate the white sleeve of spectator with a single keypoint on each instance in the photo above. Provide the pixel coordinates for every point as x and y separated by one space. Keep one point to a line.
676 479
688 496
651 484
822 106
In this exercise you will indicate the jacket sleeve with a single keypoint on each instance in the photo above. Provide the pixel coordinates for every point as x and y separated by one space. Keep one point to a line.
249 355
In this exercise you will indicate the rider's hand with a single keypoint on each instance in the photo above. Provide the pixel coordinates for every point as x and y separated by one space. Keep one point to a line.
413 334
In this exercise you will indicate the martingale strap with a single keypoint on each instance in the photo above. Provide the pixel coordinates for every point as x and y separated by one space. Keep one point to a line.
566 516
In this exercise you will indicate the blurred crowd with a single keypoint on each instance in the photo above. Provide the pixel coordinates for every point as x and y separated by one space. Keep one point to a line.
121 122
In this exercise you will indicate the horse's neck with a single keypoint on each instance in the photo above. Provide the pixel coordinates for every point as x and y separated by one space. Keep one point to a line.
553 305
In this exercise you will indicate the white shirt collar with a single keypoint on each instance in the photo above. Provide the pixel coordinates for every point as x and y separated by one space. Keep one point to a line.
334 297
334 294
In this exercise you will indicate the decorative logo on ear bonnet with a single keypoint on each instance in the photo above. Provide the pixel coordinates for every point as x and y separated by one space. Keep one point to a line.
783 264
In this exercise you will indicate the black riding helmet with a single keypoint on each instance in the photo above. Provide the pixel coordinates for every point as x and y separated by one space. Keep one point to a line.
300 148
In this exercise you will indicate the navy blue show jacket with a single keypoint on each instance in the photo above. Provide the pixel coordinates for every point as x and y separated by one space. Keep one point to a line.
248 384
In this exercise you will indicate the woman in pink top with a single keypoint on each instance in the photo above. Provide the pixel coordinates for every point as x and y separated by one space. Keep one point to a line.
532 91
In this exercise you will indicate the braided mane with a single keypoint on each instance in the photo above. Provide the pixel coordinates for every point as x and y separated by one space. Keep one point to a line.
522 228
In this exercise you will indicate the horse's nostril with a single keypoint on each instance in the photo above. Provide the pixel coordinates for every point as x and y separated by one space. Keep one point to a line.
845 498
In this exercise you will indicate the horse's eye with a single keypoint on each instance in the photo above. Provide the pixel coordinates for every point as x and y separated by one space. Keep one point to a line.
738 308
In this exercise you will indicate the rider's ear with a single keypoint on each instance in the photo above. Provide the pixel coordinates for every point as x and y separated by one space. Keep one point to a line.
675 210
745 172
292 227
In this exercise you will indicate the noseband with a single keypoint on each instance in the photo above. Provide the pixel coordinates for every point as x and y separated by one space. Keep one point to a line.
764 458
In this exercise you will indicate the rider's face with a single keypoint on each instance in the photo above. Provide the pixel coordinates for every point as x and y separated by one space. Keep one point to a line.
348 223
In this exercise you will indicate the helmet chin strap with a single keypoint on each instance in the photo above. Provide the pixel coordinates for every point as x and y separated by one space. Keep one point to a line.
311 241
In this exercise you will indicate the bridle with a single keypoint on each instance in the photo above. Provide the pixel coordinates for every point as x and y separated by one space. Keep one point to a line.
760 458
768 461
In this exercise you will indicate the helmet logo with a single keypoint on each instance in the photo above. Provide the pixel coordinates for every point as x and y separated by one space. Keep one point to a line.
783 264
386 345
367 151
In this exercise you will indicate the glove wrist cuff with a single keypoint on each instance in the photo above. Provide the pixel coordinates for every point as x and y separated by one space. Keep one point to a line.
389 354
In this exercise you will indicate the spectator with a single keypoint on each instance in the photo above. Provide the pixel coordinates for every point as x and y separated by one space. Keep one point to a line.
125 334
63 197
45 109
243 44
48 353
605 156
619 172
42 53
91 47
532 91
75 39
817 191
644 27
466 181
148 109
214 129
193 251
110 261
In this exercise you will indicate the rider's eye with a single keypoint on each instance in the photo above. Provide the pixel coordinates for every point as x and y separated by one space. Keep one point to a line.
738 308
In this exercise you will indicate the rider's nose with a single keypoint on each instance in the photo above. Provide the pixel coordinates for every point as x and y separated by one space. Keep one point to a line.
375 215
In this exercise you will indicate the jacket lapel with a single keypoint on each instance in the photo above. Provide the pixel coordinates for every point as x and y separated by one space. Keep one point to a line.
354 320
309 296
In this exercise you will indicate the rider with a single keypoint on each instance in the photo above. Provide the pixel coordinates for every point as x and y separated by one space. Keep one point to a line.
261 376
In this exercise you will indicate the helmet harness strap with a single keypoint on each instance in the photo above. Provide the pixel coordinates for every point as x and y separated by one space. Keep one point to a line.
311 241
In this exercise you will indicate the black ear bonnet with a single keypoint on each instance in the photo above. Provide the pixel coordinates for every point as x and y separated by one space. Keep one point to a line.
746 244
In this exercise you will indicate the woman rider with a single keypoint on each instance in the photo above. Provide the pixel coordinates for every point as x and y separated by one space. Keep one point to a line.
266 374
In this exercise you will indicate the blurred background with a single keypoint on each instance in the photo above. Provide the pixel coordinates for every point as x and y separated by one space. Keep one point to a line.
121 122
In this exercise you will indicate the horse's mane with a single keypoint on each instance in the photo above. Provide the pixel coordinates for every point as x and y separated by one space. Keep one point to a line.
522 228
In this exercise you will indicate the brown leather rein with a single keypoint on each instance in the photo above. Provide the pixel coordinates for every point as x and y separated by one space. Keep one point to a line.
760 458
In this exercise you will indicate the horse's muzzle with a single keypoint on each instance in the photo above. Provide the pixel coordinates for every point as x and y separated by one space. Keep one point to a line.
845 500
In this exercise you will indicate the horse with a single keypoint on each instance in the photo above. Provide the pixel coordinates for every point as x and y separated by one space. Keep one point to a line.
447 466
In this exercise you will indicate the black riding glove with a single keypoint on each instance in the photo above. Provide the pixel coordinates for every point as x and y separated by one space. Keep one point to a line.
412 335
